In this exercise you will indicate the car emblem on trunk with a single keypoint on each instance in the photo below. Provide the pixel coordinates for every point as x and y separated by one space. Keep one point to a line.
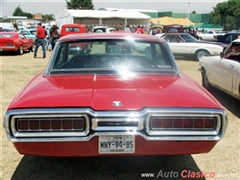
117 103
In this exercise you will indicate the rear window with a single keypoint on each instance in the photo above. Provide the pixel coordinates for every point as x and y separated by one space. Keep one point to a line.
72 29
6 35
102 55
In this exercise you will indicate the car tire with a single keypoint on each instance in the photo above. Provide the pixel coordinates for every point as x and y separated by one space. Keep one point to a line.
205 82
201 52
31 49
20 50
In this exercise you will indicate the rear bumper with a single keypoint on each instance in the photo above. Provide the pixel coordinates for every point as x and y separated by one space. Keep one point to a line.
90 148
148 141
4 48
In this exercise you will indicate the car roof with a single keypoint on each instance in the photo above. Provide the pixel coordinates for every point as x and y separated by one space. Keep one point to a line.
117 35
233 33
236 40
73 25
174 33
28 30
102 27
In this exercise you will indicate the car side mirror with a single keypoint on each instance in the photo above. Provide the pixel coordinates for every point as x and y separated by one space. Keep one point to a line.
221 55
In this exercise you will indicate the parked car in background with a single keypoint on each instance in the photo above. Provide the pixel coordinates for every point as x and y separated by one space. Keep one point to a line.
15 42
112 100
229 37
173 28
102 29
7 30
210 35
223 72
183 44
29 33
72 29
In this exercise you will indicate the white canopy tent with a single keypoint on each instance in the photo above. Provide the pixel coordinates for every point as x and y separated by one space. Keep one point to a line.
102 18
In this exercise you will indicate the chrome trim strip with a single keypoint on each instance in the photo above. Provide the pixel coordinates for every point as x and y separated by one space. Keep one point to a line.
35 134
178 132
97 127
118 114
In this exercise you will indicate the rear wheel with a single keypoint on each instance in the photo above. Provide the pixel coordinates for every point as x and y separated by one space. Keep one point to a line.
205 81
200 53
20 50
31 49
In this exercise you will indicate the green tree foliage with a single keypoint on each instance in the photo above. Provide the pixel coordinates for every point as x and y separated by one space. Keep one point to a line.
18 11
227 14
48 17
29 15
79 4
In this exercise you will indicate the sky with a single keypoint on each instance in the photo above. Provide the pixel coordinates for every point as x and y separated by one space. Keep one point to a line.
7 7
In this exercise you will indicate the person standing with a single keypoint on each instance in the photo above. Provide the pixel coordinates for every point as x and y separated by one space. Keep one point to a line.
46 39
127 28
40 41
54 35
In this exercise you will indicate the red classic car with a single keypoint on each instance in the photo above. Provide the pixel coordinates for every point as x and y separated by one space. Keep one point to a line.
72 29
110 99
16 42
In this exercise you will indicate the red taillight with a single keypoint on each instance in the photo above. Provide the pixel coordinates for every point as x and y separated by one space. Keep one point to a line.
10 44
199 123
178 123
46 124
209 123
188 123
182 123
43 124
22 124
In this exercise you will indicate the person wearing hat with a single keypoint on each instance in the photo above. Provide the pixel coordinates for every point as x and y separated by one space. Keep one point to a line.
54 35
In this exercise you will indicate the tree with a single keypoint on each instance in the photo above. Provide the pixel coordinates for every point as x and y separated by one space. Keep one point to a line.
18 11
79 4
227 14
48 17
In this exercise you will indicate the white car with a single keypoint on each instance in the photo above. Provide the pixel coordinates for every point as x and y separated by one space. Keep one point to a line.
223 72
103 29
210 35
183 44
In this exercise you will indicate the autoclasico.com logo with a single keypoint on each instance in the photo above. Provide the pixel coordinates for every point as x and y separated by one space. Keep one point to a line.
187 174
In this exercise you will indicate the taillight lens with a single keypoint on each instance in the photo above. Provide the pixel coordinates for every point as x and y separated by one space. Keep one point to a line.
54 124
182 123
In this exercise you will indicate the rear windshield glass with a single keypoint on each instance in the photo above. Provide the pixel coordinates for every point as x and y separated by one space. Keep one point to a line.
6 35
112 55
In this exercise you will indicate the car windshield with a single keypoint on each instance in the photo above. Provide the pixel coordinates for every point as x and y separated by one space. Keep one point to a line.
110 54
188 38
33 32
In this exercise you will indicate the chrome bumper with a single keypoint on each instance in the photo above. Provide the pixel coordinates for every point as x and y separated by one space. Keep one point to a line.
140 127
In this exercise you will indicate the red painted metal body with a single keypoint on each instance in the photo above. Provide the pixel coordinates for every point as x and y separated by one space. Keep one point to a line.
13 42
99 92
72 29
90 148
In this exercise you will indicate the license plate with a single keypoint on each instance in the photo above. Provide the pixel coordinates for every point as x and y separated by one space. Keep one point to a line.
116 144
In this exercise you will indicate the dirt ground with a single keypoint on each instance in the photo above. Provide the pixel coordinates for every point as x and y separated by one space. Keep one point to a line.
223 160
